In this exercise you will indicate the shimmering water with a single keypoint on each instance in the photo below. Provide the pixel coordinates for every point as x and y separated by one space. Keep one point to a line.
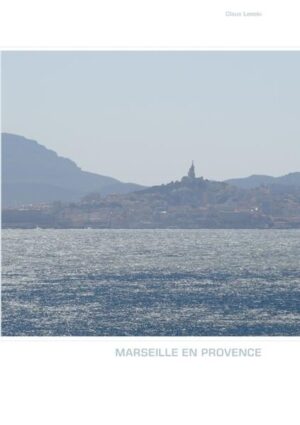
151 282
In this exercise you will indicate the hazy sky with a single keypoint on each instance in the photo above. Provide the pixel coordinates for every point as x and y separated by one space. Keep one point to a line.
143 116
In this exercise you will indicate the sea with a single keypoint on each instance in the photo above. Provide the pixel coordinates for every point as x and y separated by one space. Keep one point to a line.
171 282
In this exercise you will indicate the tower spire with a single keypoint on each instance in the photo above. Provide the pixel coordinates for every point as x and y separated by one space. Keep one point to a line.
191 172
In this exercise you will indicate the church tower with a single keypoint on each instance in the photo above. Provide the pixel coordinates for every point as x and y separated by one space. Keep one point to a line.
191 173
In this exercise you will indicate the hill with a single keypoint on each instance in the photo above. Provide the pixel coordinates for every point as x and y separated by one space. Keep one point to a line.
33 174
189 203
292 179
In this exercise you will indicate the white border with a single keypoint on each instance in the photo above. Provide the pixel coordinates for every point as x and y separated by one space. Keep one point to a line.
69 380
148 24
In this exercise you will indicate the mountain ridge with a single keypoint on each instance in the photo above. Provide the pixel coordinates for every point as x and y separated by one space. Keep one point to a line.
28 165
256 180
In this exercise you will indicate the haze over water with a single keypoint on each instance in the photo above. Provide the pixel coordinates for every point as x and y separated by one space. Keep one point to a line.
151 282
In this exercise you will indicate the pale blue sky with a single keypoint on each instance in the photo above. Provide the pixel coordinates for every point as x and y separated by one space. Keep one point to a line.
143 116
